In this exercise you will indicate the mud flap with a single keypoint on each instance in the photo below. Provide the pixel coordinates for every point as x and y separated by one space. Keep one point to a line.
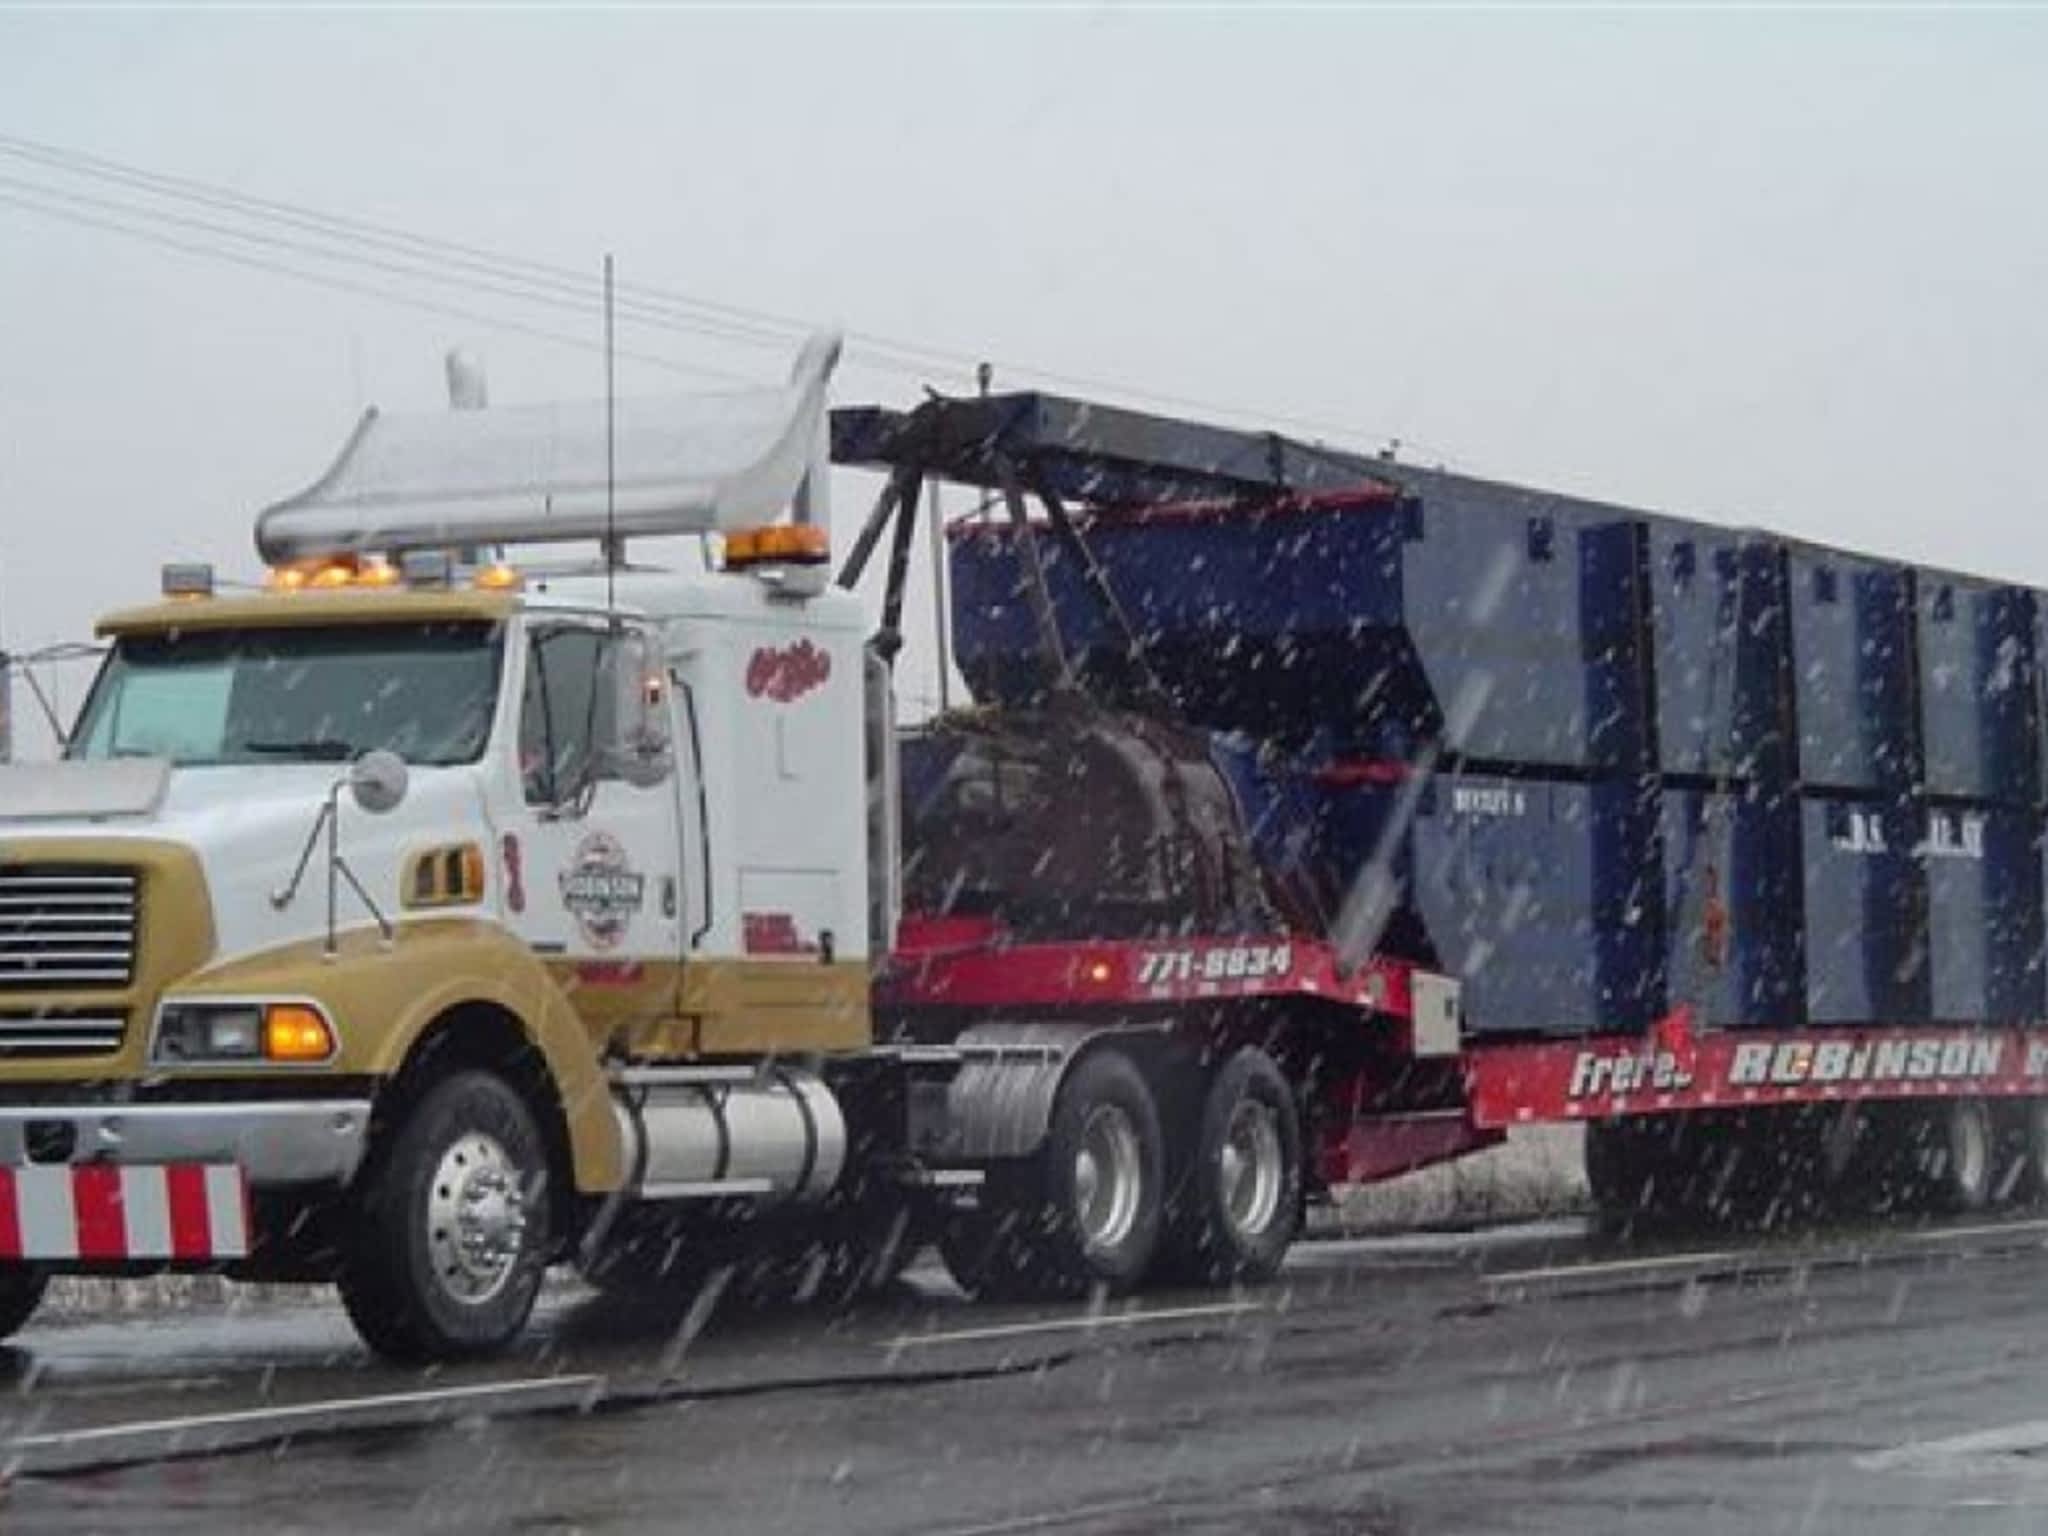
184 1213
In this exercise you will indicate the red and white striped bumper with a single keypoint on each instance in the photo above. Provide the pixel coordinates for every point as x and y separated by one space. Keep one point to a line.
174 1212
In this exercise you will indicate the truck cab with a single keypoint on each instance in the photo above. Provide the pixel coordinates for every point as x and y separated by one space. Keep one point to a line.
404 920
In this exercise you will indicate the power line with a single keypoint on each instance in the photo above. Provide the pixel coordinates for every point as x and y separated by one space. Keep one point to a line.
724 321
563 297
344 285
767 329
650 304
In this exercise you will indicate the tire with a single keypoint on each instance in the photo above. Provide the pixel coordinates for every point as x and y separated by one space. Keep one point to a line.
21 1292
1962 1156
2032 1149
1841 1136
449 1237
1618 1174
1239 1208
1084 1215
1645 1173
1939 1158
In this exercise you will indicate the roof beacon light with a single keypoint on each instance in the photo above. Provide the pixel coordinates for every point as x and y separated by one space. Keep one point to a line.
499 577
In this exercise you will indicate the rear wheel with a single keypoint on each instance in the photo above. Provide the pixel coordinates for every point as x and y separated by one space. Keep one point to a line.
1240 1208
2033 1150
1644 1172
1960 1156
1082 1215
1617 1174
450 1233
1940 1157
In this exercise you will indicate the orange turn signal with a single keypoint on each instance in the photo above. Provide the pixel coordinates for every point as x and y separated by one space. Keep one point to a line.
787 543
296 1032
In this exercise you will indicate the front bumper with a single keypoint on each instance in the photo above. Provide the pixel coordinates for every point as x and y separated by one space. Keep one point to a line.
273 1142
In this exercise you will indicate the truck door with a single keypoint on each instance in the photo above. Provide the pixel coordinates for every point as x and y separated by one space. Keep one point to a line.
598 849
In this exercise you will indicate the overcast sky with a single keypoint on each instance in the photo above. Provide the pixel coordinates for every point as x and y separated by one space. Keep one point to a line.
1785 268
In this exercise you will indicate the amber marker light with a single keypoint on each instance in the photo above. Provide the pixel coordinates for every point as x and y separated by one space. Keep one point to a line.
499 578
296 1032
1098 971
794 543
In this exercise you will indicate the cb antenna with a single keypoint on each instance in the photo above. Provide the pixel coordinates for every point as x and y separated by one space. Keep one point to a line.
611 536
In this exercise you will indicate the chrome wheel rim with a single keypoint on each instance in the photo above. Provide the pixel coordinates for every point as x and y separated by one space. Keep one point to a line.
1249 1172
476 1218
1108 1177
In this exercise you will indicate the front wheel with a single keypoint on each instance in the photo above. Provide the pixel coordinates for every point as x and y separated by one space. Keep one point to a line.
450 1232
1084 1214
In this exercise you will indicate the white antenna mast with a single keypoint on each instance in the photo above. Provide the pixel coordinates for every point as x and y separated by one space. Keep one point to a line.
611 500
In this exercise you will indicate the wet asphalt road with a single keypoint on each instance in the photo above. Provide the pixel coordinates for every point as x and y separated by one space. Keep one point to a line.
1528 1380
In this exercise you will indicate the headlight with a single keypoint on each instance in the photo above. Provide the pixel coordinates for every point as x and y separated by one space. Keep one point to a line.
190 1034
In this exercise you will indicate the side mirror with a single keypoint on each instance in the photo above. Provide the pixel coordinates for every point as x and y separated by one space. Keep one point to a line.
378 780
639 749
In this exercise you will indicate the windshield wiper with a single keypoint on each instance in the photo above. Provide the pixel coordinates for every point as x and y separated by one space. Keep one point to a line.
315 749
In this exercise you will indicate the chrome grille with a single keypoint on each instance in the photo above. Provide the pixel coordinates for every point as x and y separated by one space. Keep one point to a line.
60 1033
66 926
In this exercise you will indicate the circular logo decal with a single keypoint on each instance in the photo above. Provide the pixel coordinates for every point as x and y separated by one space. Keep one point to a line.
602 890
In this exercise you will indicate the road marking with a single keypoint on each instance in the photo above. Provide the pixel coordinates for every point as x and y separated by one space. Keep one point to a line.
1407 1244
1987 1229
2008 1440
1616 1267
281 1419
1069 1324
157 1386
1052 1517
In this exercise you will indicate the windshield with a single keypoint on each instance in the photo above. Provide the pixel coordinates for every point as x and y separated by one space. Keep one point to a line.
204 698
